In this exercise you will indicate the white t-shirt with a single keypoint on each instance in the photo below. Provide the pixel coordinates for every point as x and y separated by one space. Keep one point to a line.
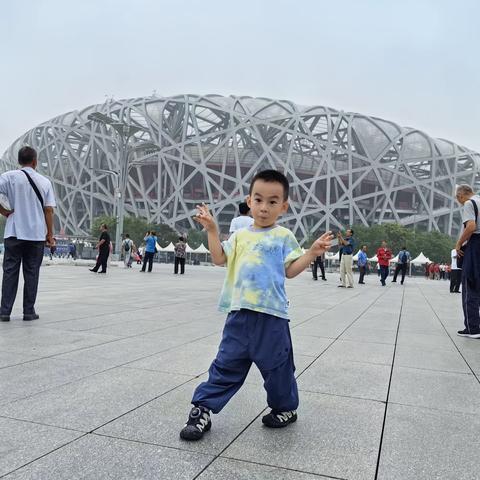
454 260
468 212
27 222
239 222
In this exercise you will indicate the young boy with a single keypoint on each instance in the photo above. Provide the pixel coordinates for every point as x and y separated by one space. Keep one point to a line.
258 259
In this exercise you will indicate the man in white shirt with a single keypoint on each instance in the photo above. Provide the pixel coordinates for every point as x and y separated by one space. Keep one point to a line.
468 253
455 274
29 226
243 220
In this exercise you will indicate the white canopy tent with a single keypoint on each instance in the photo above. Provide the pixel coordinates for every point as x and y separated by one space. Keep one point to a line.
373 259
202 249
169 248
394 259
420 259
355 257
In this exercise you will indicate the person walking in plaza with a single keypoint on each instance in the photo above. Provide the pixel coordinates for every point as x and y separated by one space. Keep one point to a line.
318 263
29 227
72 250
402 264
362 261
347 245
384 254
468 253
127 249
455 274
150 250
180 253
258 259
103 247
243 220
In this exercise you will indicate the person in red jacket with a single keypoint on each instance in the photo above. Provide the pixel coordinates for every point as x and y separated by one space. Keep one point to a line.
384 254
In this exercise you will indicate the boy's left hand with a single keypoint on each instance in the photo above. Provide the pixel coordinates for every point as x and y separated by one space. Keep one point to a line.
322 244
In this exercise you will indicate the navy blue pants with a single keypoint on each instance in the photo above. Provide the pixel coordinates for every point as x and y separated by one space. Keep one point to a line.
251 337
471 284
383 273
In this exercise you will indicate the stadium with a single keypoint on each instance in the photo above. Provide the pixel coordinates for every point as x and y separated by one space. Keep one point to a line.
157 158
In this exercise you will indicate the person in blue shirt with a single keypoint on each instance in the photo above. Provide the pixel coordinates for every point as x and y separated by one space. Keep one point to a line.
346 251
150 250
362 263
402 264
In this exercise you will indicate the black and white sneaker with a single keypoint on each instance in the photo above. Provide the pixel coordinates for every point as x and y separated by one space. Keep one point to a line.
469 334
279 419
197 424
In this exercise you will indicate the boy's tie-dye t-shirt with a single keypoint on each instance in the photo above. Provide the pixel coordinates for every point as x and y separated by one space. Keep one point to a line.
256 262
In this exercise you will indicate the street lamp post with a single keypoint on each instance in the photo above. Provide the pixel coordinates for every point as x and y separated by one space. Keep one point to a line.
124 133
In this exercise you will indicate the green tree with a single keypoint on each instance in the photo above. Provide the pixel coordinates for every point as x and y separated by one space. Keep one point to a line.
196 237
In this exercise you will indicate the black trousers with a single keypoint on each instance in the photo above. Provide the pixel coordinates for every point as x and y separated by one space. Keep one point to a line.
148 257
318 263
102 260
455 280
401 267
383 273
179 261
29 254
362 271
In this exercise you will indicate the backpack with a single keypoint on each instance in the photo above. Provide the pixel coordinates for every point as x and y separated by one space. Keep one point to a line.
404 257
126 245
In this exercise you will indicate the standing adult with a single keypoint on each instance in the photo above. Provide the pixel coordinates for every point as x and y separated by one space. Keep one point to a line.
318 263
402 264
150 250
346 251
455 274
244 220
384 254
127 247
180 253
468 249
72 250
362 260
103 247
29 225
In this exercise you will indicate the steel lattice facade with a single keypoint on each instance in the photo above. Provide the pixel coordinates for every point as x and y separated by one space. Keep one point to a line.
344 168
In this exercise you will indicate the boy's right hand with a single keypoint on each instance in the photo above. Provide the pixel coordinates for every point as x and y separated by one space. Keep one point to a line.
205 218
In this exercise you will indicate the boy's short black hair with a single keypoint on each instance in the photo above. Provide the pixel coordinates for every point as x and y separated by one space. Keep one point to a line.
404 248
182 239
351 230
272 176
243 208
27 155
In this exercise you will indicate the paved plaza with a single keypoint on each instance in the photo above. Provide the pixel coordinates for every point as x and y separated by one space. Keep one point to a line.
100 386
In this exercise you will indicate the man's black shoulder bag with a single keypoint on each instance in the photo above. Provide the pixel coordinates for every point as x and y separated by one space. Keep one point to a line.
35 188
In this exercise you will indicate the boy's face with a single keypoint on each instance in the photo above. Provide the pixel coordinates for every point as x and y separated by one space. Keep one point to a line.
266 203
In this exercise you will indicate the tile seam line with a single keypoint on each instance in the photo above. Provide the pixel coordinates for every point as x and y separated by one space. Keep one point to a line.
319 475
257 416
449 336
379 456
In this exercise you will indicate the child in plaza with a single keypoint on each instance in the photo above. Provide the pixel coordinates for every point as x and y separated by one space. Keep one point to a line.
258 258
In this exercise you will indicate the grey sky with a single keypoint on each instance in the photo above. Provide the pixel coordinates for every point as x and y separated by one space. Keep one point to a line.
414 62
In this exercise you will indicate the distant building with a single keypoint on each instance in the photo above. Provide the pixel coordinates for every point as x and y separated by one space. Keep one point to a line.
344 168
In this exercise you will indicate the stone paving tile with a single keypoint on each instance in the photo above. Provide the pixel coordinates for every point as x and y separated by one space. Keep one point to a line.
160 421
431 389
369 335
23 442
426 341
306 345
334 436
95 457
89 403
29 378
228 469
422 444
348 350
418 357
43 341
352 379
